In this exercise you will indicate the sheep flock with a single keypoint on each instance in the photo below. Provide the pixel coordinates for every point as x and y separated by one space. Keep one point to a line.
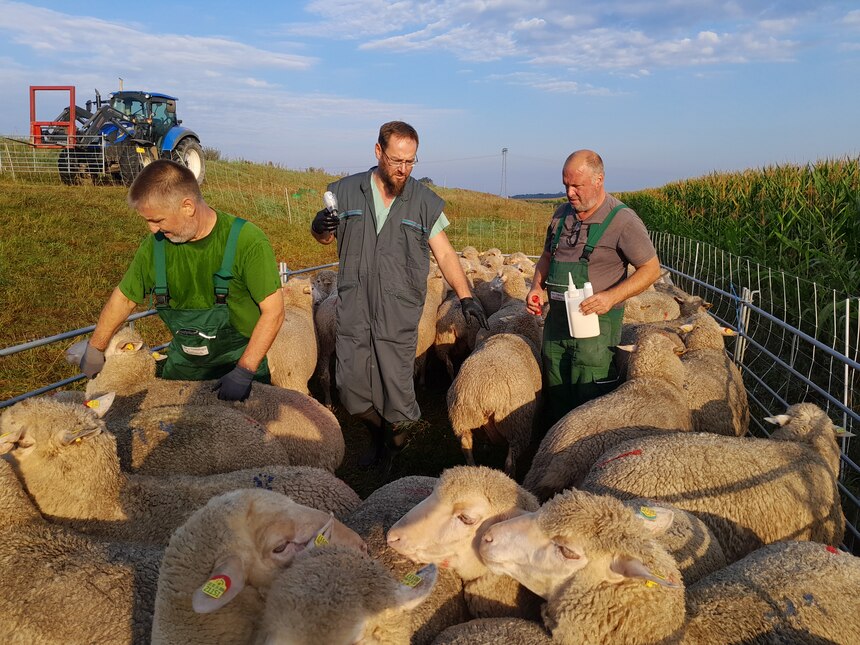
149 511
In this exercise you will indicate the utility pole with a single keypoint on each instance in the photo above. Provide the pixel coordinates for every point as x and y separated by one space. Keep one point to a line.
504 191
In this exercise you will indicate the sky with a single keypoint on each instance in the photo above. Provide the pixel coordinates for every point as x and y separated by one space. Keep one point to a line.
663 89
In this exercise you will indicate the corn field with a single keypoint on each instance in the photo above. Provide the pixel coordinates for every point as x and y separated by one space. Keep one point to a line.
804 220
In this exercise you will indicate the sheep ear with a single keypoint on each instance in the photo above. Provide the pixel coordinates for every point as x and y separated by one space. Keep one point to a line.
778 420
626 348
687 328
416 587
101 404
224 583
307 289
623 568
12 439
655 519
839 431
706 305
323 536
679 300
728 331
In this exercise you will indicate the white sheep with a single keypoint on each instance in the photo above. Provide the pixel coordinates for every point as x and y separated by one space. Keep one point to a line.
308 430
497 389
687 538
446 529
455 336
650 306
325 321
651 400
749 491
490 298
324 284
512 316
715 386
437 288
293 354
492 259
373 519
69 466
336 596
195 440
606 580
788 592
604 577
221 561
62 587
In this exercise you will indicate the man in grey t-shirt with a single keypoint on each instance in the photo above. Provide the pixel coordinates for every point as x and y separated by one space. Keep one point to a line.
593 238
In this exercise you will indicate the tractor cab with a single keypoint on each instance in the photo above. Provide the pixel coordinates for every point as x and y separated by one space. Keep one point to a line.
152 115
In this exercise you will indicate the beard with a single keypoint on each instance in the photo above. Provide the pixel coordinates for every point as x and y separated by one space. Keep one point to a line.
393 185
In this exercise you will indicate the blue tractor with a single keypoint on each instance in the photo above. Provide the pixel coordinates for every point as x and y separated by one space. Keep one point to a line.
116 138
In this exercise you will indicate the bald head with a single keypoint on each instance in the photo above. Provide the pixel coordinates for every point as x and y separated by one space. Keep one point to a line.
582 177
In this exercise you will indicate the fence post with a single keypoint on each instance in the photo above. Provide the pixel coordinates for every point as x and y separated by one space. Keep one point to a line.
742 323
289 209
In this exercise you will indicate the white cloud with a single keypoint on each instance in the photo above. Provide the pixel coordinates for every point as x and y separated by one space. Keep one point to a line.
852 18
549 83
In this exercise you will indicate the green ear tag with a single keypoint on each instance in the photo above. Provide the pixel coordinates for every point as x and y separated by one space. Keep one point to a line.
412 580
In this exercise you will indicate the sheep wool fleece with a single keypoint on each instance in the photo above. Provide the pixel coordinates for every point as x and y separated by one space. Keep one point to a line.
382 284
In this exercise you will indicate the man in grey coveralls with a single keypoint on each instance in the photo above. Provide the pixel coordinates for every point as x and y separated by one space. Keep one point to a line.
386 225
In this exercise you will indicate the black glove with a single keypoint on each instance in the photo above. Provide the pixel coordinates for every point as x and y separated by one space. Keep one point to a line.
235 385
325 222
472 308
92 361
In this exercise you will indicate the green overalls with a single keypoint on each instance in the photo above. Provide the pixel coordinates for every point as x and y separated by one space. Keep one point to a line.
205 344
576 370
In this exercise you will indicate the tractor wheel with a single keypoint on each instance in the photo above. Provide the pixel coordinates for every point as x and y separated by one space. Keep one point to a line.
129 162
189 153
70 170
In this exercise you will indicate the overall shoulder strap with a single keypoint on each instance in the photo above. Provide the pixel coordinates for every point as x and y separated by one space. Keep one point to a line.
595 232
162 294
223 276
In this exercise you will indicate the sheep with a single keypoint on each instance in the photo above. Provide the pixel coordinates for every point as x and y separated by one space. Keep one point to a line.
293 354
455 336
372 520
437 288
325 321
333 595
749 491
470 253
512 316
220 562
651 400
446 528
492 631
492 259
181 439
324 284
788 592
517 257
650 306
62 587
605 579
687 538
309 431
715 388
608 581
497 389
490 298
69 466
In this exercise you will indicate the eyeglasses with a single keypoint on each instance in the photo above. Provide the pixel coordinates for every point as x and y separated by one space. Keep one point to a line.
396 163
573 238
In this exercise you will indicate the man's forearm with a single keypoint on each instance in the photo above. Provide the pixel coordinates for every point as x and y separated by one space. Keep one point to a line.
271 318
115 312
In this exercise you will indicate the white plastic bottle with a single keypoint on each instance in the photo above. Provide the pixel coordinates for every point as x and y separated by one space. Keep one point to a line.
580 325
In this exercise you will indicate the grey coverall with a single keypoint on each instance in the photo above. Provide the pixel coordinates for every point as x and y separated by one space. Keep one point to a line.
382 284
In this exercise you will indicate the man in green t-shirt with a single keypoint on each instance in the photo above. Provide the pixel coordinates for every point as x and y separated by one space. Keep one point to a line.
214 279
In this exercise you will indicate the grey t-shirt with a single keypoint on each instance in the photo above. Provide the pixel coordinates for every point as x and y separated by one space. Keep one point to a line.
625 242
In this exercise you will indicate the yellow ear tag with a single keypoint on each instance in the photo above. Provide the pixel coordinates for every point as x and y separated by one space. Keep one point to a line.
650 583
412 580
647 513
320 540
128 347
93 404
215 587
159 356
78 440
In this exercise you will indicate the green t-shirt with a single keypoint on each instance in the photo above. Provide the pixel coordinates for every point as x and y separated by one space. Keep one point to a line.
191 266
381 211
